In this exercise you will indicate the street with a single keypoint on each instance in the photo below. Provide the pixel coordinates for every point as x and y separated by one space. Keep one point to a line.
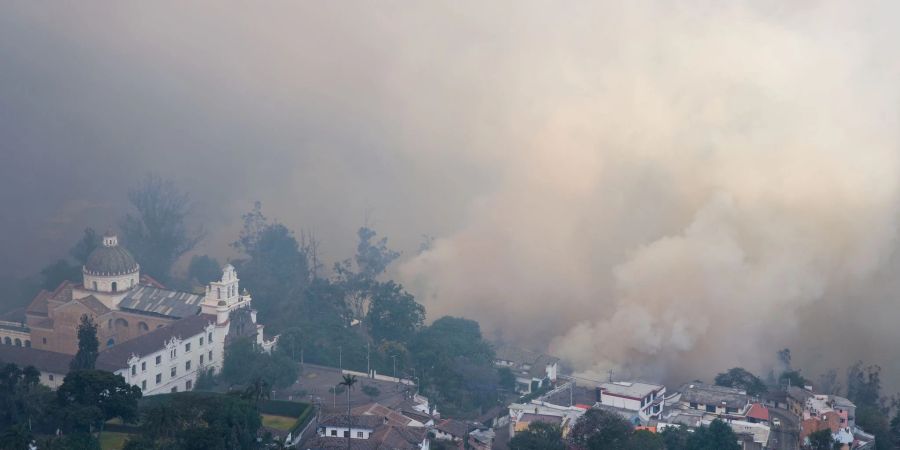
785 437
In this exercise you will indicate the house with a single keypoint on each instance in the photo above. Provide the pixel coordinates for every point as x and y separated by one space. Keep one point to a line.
391 416
645 399
367 432
532 370
521 416
718 400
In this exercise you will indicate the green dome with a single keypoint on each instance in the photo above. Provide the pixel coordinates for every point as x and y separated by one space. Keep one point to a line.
110 259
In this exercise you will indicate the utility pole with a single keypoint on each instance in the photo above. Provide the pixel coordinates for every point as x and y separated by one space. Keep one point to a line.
341 358
610 375
394 357
368 366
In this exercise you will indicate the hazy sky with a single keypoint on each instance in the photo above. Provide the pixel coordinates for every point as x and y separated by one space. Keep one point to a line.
645 186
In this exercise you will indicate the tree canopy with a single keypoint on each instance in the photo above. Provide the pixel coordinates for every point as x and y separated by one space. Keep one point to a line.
740 378
88 346
538 436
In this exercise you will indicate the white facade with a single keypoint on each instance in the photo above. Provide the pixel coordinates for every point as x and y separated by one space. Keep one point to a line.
336 431
175 368
648 400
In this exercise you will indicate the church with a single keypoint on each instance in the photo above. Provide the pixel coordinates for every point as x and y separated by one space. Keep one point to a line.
125 305
156 338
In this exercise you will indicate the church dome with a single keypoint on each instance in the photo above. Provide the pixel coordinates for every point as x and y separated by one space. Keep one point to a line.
110 259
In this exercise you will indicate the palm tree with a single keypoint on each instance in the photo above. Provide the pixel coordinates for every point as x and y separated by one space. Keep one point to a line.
349 381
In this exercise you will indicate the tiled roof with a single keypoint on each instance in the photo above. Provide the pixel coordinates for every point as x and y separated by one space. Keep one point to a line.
42 360
329 443
453 427
359 421
163 302
16 315
398 437
117 356
376 409
713 395
545 418
758 412
96 306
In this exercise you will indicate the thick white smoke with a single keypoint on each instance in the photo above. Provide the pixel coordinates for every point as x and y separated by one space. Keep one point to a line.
698 178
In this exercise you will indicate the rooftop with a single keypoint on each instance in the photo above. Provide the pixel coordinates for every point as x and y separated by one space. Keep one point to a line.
163 302
42 360
635 390
706 394
117 356
524 361
368 422
377 409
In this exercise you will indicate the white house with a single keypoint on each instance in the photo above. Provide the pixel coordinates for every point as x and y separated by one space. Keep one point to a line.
367 431
648 400
531 369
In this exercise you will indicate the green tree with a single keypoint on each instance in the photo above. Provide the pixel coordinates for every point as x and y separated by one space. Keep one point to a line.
792 378
538 436
601 429
89 241
717 436
16 437
54 274
864 384
88 345
91 397
274 269
740 378
874 420
203 269
394 315
646 440
373 258
821 440
157 232
371 391
675 437
245 363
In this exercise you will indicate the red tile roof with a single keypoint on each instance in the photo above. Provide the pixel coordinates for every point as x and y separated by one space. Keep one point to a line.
758 412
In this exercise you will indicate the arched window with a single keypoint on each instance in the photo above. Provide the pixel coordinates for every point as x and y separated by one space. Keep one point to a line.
110 342
143 326
109 324
159 326
131 283
219 293
95 285
7 341
27 343
115 286
121 323
18 342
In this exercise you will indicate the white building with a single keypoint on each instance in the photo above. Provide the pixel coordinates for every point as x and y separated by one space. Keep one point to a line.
169 359
531 369
367 432
647 400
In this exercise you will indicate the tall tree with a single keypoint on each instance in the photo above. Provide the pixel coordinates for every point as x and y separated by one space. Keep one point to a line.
601 429
740 378
821 440
394 314
348 382
373 258
89 241
92 397
717 436
88 345
203 269
158 231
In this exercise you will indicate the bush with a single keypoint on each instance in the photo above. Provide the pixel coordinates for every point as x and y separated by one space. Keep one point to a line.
283 408
371 391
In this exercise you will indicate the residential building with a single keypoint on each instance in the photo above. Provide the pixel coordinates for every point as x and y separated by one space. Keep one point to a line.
521 416
718 400
366 432
645 399
531 369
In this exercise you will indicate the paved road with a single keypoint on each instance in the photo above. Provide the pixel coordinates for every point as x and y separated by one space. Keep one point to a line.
787 436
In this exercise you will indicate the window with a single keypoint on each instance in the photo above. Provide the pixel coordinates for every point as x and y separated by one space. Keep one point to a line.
95 285
134 370
210 355
187 365
187 347
334 432
143 326
359 434
144 385
219 293
188 385
173 353
110 342
201 360
210 337
174 389
711 408
27 344
143 366
174 371
693 405
158 359
115 286
44 341
18 342
201 341
50 376
158 378
7 341
346 434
